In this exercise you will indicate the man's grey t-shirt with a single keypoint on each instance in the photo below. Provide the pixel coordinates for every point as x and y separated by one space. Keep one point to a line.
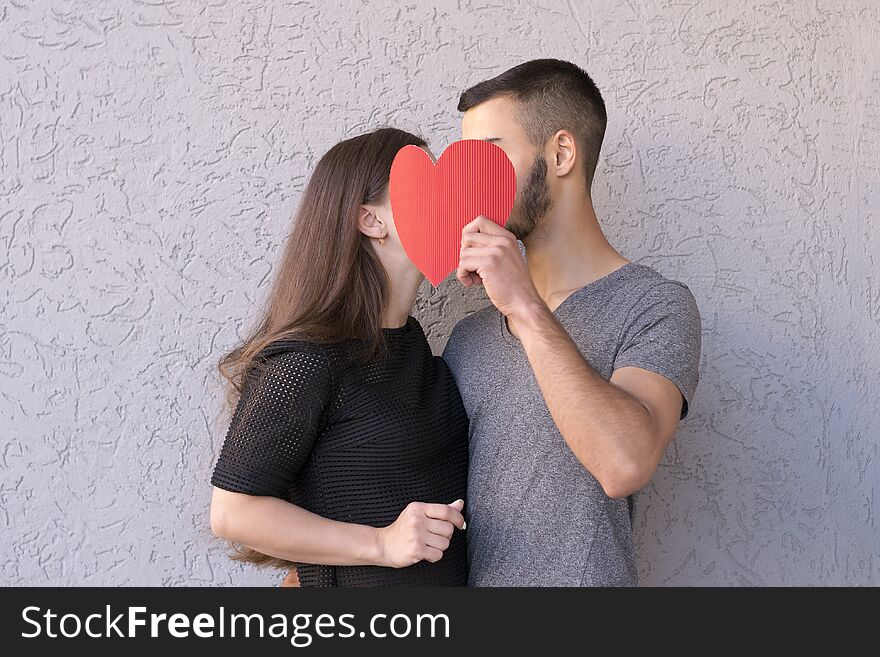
536 516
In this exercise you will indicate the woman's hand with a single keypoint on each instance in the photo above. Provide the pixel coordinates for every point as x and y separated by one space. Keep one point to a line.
420 533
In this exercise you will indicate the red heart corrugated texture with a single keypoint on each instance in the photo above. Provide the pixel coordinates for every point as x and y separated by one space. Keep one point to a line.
432 203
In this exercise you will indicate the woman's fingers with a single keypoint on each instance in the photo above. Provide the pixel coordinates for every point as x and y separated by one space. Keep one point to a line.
436 541
444 512
433 554
441 528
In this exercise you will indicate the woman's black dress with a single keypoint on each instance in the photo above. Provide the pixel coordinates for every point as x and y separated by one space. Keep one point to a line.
354 443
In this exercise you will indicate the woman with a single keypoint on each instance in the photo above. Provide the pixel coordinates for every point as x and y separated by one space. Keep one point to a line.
346 453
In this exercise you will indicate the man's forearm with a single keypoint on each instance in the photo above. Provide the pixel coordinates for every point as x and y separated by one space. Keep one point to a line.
607 429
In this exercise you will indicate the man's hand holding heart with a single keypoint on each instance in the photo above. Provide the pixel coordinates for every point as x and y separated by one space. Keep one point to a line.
490 256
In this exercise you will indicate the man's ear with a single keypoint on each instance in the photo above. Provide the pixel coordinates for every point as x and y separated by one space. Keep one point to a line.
564 152
370 224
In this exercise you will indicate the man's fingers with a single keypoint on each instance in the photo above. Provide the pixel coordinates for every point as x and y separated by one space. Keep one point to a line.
483 239
467 276
479 239
483 225
472 253
470 263
471 279
473 226
444 512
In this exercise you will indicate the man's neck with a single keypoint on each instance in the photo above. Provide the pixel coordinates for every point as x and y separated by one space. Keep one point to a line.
568 250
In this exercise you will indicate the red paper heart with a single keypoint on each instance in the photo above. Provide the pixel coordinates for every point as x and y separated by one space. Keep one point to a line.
432 203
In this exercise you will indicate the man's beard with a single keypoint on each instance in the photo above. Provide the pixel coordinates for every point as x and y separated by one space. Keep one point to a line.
534 201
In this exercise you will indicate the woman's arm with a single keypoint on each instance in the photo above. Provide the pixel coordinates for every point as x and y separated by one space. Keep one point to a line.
280 529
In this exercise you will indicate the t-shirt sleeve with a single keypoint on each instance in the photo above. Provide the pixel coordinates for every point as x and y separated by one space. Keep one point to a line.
451 351
275 423
662 334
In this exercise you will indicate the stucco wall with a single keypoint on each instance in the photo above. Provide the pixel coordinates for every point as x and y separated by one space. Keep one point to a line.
151 155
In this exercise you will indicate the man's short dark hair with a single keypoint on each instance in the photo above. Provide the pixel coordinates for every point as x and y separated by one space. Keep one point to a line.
550 95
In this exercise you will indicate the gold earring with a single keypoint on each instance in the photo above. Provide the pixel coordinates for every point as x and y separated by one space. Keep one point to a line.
381 240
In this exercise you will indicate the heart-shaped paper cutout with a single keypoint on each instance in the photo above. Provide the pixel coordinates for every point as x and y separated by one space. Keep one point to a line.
432 203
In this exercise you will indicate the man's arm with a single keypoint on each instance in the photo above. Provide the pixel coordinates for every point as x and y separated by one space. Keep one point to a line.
618 429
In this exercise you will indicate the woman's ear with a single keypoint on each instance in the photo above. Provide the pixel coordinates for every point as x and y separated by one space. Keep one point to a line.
370 224
565 152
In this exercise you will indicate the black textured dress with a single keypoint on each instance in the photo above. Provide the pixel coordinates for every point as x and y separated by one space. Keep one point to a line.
354 443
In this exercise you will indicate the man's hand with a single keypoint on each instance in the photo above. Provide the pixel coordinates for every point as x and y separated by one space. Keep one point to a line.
490 256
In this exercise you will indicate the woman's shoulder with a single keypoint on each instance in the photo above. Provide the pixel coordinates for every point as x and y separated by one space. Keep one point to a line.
294 357
286 345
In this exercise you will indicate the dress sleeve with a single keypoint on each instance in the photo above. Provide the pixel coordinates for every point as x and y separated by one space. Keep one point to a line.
276 422
662 334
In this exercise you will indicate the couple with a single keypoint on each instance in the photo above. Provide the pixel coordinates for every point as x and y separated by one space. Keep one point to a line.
357 455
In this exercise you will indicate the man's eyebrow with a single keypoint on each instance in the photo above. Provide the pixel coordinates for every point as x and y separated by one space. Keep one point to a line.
491 139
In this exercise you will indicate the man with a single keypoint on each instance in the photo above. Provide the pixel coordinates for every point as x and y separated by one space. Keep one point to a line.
577 376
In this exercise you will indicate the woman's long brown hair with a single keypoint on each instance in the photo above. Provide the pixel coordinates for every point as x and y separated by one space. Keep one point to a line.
330 285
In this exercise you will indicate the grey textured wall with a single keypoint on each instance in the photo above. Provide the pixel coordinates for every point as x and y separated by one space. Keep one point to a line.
151 155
